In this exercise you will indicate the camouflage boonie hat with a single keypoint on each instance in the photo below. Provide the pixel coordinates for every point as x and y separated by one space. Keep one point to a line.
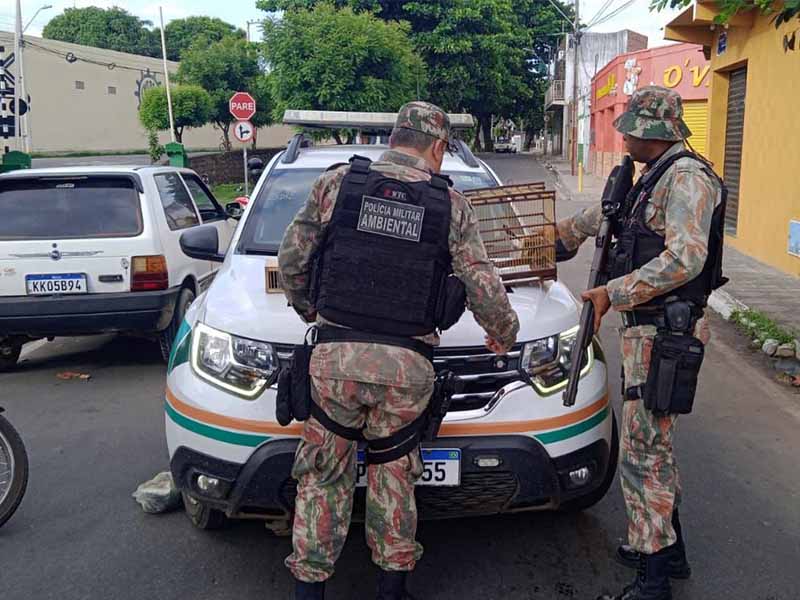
654 113
424 117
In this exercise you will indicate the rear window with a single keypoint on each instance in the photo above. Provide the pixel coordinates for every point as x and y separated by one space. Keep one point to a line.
70 207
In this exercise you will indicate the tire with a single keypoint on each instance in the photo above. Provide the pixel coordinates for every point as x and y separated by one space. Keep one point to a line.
11 444
592 498
9 355
167 337
203 516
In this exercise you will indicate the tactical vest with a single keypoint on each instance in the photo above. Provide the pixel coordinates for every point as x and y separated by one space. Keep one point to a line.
383 264
636 244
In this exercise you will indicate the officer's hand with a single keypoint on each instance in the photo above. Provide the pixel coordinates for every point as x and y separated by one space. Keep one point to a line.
599 298
495 346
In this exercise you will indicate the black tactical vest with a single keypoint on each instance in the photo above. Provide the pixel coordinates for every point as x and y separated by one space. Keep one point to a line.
636 244
384 260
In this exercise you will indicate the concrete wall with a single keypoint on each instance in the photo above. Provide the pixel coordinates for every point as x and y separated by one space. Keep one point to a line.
228 167
768 194
103 114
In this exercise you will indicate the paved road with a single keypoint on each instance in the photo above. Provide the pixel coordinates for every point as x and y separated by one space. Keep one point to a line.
79 535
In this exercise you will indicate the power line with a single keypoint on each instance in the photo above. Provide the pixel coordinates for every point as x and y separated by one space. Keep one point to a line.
599 13
70 57
563 14
616 12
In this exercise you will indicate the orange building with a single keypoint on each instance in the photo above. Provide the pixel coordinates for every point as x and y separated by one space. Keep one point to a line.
682 67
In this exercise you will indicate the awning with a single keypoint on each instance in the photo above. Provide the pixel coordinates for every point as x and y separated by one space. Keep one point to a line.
696 24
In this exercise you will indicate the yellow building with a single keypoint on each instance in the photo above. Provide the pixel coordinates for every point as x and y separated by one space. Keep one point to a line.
754 126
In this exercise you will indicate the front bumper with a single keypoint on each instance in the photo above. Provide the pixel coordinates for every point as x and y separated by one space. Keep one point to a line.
527 478
87 313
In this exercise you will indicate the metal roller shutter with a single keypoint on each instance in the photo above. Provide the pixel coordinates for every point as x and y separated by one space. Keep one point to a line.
695 114
734 137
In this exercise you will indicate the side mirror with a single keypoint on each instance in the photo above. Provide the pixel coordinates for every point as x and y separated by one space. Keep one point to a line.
255 165
234 210
202 243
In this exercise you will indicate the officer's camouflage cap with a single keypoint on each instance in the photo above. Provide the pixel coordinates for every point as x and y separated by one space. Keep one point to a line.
424 117
654 113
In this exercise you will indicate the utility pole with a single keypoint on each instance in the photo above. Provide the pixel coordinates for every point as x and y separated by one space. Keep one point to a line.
19 84
574 111
166 76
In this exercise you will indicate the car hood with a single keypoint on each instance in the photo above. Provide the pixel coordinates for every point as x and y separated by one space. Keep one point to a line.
237 303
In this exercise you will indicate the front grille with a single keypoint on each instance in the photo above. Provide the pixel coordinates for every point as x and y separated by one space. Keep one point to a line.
481 372
478 494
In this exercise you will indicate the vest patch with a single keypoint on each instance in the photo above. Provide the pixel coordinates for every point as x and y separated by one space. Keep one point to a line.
392 219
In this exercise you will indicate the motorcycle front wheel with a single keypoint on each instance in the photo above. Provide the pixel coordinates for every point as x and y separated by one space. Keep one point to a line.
13 470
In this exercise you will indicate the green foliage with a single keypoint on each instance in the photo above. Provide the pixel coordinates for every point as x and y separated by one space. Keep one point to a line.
227 192
180 34
191 107
223 68
331 59
113 29
759 326
154 148
783 10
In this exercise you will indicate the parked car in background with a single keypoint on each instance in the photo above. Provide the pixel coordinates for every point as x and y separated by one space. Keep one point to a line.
86 250
505 145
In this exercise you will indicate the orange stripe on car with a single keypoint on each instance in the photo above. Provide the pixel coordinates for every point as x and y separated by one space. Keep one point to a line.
447 429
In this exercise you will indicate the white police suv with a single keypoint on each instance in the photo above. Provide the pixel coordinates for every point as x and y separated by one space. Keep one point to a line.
505 446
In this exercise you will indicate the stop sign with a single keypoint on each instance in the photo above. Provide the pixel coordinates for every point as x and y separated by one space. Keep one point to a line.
242 106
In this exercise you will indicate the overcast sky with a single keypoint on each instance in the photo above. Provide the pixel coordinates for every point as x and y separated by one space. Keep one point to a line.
634 14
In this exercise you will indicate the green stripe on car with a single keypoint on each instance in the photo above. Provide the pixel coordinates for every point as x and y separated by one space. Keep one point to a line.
215 433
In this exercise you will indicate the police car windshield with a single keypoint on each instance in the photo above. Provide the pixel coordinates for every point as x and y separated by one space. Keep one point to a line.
286 191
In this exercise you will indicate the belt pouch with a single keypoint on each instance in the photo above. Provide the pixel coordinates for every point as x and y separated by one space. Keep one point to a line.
301 382
672 378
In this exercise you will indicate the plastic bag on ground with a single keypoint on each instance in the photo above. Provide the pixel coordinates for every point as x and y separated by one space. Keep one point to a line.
159 495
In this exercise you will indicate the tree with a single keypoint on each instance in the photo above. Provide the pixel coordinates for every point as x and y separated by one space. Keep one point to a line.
222 68
191 107
113 29
180 34
335 59
784 10
477 51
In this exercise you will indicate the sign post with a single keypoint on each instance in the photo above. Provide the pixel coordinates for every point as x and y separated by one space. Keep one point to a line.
243 106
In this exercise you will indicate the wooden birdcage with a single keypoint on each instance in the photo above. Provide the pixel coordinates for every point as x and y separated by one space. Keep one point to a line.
518 227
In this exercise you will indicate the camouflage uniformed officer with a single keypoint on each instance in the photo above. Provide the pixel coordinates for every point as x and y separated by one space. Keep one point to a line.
684 209
379 387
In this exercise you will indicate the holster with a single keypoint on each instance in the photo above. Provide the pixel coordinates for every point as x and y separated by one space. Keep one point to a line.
293 400
445 385
672 379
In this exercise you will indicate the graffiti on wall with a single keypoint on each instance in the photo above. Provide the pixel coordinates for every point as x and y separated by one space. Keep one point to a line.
632 71
610 88
147 80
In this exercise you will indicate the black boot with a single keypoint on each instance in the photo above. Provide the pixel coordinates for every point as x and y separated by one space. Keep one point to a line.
309 591
678 566
392 585
652 579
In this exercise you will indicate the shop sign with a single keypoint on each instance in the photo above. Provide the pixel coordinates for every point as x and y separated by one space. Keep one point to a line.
674 75
722 43
609 88
794 238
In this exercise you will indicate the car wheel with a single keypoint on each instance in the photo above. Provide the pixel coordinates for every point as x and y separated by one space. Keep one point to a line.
201 515
589 500
9 355
167 337
13 482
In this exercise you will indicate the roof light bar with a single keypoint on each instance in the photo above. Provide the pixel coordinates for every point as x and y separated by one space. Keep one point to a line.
334 119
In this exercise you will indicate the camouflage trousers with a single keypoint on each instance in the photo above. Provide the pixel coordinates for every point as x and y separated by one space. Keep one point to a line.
325 468
648 471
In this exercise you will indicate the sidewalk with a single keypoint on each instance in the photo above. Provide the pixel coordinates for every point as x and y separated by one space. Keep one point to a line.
752 284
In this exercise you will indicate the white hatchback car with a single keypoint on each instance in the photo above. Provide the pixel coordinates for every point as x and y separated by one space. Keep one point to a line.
87 250
505 445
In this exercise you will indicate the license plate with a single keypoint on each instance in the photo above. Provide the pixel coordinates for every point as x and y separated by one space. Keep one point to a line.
442 466
65 283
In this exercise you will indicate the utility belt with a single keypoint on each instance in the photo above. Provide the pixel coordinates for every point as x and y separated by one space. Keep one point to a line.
294 400
675 359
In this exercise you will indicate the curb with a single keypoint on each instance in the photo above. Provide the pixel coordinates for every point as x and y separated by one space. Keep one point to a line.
722 303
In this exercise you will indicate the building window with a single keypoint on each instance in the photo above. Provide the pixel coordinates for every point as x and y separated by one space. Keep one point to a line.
112 91
79 85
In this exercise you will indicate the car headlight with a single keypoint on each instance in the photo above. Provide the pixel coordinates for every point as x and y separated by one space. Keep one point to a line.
546 362
239 365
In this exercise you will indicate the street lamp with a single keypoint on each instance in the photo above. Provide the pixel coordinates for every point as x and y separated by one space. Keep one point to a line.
36 14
